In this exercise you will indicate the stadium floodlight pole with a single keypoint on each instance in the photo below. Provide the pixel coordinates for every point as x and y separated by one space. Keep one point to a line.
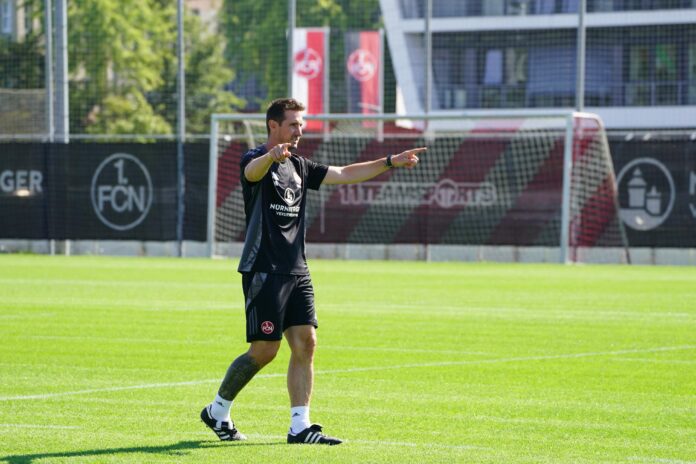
291 32
380 76
62 103
212 183
181 128
565 199
327 81
580 63
428 58
48 66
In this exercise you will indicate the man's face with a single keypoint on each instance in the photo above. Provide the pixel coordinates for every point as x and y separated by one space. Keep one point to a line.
290 130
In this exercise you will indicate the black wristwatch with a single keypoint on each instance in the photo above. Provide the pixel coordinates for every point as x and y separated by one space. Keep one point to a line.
389 163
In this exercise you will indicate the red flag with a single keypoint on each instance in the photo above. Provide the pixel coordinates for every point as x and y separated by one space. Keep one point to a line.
364 73
310 54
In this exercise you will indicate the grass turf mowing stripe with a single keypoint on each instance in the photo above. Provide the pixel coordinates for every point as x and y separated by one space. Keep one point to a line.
352 370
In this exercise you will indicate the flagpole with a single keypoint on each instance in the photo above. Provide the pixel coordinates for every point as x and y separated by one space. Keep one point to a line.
380 85
291 34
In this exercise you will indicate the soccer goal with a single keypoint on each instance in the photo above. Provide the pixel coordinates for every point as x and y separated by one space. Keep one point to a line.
514 179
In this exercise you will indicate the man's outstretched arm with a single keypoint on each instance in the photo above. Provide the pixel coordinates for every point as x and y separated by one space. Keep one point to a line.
359 172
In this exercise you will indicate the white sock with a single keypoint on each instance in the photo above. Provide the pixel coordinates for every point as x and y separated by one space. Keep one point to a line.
220 409
299 417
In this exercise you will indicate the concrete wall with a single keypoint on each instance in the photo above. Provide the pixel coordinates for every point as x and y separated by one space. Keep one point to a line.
503 254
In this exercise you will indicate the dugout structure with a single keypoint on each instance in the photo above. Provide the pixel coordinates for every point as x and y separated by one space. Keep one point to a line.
487 179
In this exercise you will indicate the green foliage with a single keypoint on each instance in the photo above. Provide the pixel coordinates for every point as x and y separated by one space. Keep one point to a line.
256 32
206 74
21 64
129 113
116 49
123 58
22 61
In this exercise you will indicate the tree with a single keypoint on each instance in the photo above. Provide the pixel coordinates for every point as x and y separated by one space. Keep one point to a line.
116 54
206 74
256 33
123 66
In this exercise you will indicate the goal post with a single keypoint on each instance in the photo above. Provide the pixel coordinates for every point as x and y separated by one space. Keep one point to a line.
520 179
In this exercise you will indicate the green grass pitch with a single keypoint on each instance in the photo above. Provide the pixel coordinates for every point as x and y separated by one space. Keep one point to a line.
110 360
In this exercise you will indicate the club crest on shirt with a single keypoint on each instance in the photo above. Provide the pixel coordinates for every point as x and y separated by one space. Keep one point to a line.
289 196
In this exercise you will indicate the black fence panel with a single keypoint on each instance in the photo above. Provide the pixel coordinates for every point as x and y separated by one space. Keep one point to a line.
105 191
657 191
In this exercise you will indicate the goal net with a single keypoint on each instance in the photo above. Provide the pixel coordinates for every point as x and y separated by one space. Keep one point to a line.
508 180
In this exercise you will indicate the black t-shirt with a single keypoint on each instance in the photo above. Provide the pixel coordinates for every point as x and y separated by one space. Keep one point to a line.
275 214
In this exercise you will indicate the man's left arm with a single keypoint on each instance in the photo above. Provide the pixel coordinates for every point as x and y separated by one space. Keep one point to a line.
359 172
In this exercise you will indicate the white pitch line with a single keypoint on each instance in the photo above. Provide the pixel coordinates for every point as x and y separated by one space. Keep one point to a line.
105 390
39 426
260 436
659 460
102 340
655 361
159 305
360 369
114 283
417 445
449 310
26 316
402 350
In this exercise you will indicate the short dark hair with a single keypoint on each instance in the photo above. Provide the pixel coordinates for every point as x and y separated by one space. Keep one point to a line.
276 110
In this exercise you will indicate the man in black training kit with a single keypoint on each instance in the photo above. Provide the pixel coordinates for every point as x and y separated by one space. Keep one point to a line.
275 278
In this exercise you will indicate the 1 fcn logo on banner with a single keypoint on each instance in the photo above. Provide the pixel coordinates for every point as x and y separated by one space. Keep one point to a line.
121 191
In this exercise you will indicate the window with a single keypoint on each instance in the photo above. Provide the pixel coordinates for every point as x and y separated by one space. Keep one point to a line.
666 86
600 5
544 6
493 7
569 6
412 9
653 75
504 78
28 18
5 17
638 91
551 73
519 7
691 74
665 62
515 77
492 78
639 63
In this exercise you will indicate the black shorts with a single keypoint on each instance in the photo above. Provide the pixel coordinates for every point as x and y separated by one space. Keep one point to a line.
275 302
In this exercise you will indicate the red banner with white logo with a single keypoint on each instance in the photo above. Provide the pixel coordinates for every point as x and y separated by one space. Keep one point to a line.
364 71
310 71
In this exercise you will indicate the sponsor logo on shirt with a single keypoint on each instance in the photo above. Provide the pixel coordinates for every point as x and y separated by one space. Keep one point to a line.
285 210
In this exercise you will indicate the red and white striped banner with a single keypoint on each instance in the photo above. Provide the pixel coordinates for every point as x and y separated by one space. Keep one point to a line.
310 72
364 71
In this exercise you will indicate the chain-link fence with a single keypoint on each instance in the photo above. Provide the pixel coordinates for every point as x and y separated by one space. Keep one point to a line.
112 71
109 68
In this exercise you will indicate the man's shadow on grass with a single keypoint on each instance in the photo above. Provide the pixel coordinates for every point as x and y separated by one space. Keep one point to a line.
175 449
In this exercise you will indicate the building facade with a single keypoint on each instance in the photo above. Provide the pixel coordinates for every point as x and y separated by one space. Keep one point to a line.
520 55
16 19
